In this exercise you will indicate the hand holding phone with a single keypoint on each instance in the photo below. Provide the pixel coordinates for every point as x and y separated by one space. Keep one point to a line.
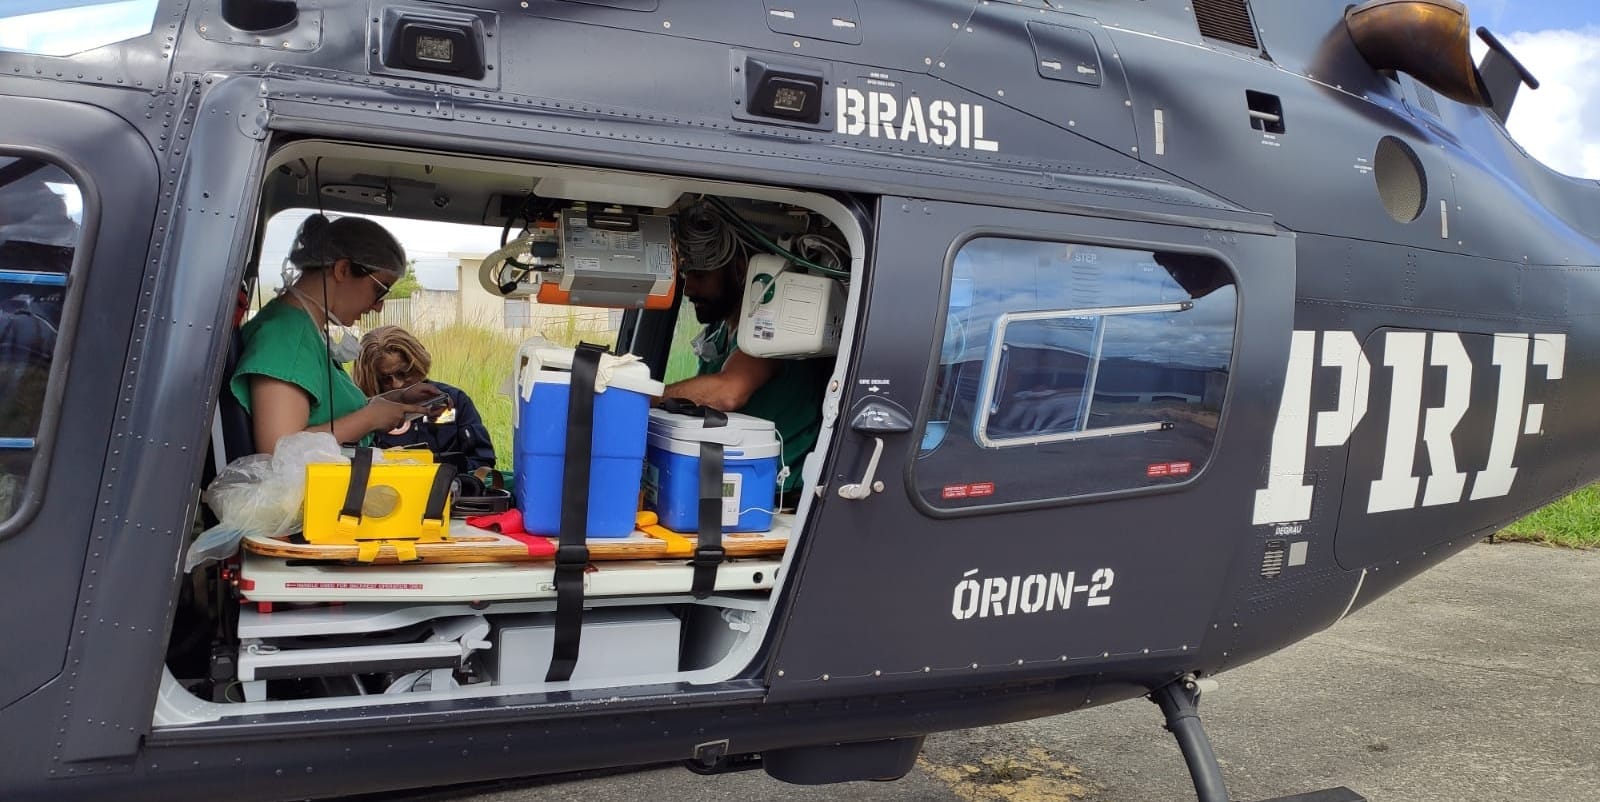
434 405
422 395
419 393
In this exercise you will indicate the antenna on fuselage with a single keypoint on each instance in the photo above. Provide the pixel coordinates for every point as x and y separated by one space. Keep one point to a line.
1502 75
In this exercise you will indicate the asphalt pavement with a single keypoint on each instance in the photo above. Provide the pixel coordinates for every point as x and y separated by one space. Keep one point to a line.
1479 680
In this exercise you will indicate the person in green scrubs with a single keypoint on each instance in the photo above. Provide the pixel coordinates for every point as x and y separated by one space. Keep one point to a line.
787 392
290 376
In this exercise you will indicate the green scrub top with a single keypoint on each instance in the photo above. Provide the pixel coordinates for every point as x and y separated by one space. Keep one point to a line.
282 342
791 399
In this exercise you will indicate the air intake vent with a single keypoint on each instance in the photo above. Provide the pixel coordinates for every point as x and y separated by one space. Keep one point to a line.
1272 559
1228 20
1425 95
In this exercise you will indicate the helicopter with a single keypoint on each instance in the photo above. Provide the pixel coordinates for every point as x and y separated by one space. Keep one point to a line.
1163 334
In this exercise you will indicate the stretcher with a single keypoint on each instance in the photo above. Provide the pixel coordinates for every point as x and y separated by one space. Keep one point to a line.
422 644
271 579
469 544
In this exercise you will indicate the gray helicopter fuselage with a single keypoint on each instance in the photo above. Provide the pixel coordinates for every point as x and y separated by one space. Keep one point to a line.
1409 356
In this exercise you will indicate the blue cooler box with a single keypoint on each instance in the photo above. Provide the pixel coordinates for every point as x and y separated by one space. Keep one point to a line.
621 413
751 455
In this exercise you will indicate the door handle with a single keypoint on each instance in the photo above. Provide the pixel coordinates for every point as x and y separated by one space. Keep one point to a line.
868 485
875 416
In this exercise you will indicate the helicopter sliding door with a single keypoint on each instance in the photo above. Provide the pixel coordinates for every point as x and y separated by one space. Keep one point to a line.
1064 477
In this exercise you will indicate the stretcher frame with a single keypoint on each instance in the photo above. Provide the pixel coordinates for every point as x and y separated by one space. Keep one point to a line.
269 579
470 544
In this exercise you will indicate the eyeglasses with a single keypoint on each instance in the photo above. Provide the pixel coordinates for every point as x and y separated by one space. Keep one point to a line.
383 289
405 375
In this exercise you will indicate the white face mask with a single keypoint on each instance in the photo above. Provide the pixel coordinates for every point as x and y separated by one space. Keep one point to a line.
348 346
702 346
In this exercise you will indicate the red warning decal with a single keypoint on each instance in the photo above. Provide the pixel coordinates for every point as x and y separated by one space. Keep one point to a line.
355 585
972 490
1161 469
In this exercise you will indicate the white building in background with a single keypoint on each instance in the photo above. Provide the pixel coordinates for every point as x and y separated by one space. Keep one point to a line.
431 308
526 317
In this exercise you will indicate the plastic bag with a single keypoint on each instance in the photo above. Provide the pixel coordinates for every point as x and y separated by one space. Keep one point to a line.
260 495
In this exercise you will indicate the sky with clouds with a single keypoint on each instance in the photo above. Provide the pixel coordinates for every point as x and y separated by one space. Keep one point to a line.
1559 42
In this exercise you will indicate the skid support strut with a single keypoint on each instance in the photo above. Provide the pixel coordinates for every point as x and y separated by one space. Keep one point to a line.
1178 700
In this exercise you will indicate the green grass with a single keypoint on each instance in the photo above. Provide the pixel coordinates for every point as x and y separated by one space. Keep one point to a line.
681 361
478 359
1572 522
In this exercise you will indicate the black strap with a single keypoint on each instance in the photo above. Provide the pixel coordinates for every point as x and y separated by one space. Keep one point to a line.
490 502
439 493
356 493
474 497
572 555
708 552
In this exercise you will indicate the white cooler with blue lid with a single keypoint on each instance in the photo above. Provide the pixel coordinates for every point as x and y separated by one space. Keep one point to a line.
751 456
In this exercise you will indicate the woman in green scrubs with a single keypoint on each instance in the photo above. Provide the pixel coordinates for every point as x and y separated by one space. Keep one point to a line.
290 376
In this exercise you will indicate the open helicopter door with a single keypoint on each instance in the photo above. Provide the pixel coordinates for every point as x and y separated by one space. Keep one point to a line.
1062 482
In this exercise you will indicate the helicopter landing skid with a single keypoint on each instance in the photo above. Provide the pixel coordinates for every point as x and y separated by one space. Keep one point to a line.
1340 794
1178 701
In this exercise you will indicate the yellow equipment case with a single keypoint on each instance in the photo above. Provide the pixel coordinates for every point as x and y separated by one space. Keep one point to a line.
369 504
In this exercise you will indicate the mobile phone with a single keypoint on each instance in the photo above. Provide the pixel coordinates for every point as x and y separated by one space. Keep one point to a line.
435 403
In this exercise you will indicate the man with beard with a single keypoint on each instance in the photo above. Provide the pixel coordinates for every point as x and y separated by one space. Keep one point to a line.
787 392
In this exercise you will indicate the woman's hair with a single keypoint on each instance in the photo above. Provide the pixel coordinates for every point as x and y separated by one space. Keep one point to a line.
386 340
321 242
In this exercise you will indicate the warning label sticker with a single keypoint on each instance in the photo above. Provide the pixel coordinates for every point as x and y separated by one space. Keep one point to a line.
1164 469
972 490
356 585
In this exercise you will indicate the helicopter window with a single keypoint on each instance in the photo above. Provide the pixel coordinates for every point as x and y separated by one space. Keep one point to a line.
40 213
65 27
1071 369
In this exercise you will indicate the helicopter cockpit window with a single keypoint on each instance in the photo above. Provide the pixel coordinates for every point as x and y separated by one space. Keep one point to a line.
40 213
66 27
1069 370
